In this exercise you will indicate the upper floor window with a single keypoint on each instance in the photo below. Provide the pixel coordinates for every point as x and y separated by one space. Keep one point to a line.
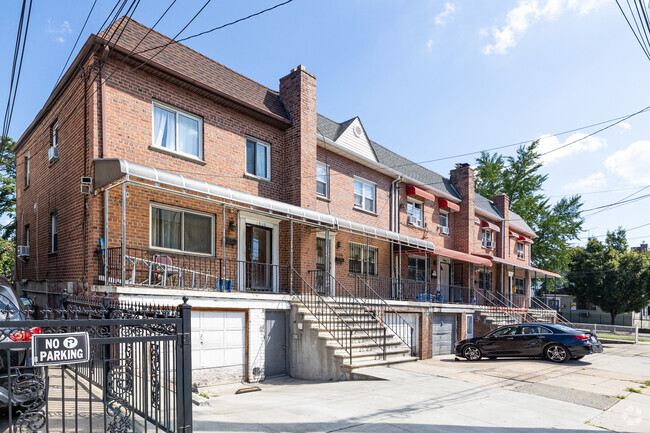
487 241
177 131
54 233
414 213
444 223
55 134
416 269
27 171
363 259
258 158
485 279
178 229
521 248
322 180
364 195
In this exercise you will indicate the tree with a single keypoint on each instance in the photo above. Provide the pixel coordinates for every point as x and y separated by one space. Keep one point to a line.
7 206
520 179
610 276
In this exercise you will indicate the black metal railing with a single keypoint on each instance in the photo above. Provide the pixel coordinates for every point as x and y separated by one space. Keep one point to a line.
138 377
148 268
323 312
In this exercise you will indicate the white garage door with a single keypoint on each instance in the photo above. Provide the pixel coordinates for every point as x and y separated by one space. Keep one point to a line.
443 334
401 328
218 339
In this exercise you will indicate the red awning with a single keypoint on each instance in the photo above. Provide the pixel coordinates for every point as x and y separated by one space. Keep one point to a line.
525 239
513 235
450 206
462 256
529 268
414 190
490 225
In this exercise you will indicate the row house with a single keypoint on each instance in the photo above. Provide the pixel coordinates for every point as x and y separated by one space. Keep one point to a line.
153 173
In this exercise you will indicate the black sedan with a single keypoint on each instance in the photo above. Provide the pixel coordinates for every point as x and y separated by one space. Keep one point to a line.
556 343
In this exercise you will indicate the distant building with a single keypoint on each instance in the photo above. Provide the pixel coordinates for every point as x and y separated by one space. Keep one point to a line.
643 248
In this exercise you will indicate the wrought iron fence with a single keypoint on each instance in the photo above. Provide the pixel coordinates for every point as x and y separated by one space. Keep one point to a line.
138 377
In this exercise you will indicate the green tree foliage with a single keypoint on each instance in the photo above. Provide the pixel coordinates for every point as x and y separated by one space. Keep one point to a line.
520 179
7 206
610 276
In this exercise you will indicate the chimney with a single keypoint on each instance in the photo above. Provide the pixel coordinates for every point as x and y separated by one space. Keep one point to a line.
298 93
462 177
502 203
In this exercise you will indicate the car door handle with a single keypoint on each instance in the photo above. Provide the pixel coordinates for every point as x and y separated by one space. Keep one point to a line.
510 338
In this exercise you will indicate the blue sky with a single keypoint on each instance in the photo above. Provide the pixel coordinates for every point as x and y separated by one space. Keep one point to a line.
429 79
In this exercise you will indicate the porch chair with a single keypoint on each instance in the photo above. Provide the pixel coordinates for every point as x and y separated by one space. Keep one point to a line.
163 267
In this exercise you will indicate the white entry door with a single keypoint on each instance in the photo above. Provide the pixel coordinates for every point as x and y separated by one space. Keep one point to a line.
469 326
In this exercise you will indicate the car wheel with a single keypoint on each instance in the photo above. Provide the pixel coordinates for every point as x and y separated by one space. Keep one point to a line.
556 353
472 353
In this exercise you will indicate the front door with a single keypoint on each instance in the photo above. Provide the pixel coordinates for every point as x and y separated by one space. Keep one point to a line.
259 271
444 280
319 280
469 326
275 342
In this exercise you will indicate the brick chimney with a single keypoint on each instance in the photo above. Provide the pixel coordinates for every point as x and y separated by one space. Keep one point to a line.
502 203
298 93
462 177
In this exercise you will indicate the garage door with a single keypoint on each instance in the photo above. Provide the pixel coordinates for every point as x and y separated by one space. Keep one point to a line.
412 319
443 334
219 341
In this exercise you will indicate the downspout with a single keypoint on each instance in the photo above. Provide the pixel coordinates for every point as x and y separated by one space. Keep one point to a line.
504 235
85 211
394 216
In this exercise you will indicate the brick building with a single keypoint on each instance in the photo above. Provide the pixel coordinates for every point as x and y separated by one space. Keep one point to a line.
279 223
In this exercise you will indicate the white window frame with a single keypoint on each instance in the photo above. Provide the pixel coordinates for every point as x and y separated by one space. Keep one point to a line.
54 231
55 134
446 216
364 183
413 204
268 157
183 211
27 171
521 250
177 111
327 179
486 238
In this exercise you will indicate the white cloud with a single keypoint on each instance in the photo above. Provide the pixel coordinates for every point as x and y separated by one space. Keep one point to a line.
528 12
60 31
586 183
445 15
632 164
547 143
430 45
625 125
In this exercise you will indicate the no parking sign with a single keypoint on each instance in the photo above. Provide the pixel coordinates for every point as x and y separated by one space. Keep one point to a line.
60 349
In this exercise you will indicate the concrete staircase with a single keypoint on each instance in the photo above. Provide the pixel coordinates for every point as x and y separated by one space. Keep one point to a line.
368 335
496 318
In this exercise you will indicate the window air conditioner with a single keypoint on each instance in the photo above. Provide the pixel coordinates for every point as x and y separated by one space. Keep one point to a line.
53 153
444 230
23 250
493 244
411 220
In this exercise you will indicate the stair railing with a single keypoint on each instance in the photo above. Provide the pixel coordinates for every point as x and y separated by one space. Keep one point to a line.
320 309
541 305
384 313
506 314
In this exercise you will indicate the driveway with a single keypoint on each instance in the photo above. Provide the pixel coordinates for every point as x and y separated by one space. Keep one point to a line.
443 395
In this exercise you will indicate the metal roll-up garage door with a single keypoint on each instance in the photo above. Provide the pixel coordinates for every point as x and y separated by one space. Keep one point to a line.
443 334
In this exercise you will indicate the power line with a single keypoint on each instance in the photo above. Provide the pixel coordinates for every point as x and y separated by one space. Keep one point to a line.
76 42
639 38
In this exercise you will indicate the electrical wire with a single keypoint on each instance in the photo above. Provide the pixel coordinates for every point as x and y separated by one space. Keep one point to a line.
76 42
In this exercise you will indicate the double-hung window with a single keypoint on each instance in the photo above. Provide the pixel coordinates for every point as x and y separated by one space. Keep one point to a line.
486 237
414 213
444 223
364 195
54 232
55 134
27 171
416 269
521 248
181 230
177 131
258 159
484 280
322 180
362 259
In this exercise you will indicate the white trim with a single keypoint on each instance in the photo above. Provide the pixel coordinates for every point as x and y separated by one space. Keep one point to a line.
183 210
415 202
244 218
327 176
55 133
177 111
258 142
374 199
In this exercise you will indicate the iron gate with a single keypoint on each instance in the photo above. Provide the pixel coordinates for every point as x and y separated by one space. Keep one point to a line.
138 378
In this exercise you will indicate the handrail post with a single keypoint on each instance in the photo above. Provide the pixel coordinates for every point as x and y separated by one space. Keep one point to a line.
384 343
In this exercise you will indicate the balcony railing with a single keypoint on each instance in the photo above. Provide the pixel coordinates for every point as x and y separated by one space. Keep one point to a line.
149 268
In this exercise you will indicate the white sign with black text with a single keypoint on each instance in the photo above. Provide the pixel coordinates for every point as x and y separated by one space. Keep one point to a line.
59 349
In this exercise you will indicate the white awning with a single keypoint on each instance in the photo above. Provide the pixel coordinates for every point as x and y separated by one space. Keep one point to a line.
108 170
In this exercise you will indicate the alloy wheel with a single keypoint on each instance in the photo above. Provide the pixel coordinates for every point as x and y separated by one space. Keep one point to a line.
556 353
472 353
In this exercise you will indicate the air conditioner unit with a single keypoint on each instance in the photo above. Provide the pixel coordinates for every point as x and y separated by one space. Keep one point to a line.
493 244
411 220
86 180
444 230
86 189
23 250
53 153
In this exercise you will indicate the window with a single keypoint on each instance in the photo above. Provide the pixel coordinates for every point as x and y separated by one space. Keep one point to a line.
322 180
177 131
444 223
178 229
258 159
485 279
55 134
362 260
534 330
26 236
486 236
414 213
27 171
585 306
364 195
521 250
510 330
54 232
416 269
519 286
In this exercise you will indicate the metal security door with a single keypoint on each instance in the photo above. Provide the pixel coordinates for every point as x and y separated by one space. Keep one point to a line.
275 362
443 334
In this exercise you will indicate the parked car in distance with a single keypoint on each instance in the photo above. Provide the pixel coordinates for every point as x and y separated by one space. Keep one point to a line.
554 342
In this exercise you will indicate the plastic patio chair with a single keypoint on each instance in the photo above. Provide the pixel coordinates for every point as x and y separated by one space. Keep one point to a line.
163 266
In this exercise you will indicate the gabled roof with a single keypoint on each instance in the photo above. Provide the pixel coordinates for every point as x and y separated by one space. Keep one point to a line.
487 206
331 129
518 223
192 64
